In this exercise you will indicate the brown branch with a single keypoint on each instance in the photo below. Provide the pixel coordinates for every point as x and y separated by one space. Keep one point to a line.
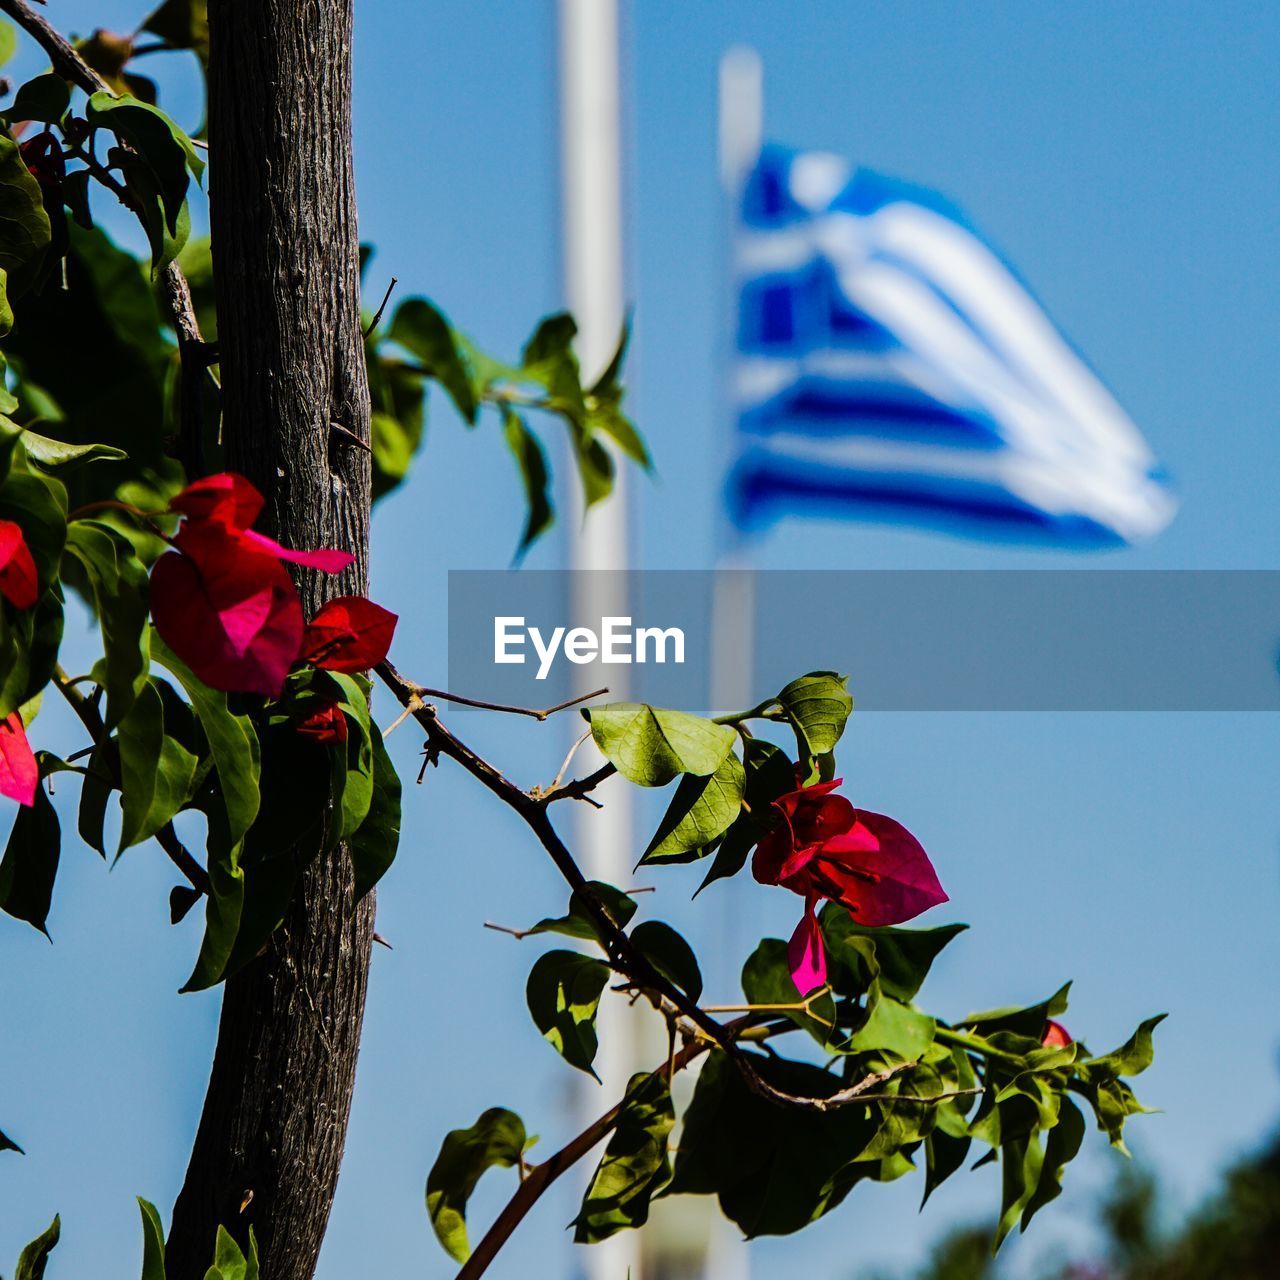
382 306
68 63
623 954
181 857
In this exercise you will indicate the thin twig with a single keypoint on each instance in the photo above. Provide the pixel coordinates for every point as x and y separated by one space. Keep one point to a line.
564 767
518 934
535 713
382 306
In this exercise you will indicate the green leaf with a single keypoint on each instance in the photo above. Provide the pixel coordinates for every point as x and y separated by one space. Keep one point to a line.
229 1263
550 345
769 773
1060 1149
774 1169
635 1166
1131 1059
353 786
30 863
819 706
373 844
612 422
670 954
1021 1161
580 923
224 903
156 770
944 1155
651 745
27 233
8 40
95 792
163 146
595 466
120 594
46 99
152 1241
701 810
895 1028
496 1140
230 811
534 475
563 993
423 330
232 741
904 956
8 1144
35 1257
54 455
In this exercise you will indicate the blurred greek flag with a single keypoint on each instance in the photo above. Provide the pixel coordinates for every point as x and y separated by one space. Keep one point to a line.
891 366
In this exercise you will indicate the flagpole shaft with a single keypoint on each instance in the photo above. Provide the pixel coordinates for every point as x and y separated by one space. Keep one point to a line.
592 263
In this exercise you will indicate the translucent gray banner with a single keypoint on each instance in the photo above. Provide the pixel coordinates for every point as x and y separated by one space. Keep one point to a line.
1071 640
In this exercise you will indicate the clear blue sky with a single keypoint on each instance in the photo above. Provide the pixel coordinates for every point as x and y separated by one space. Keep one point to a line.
1123 158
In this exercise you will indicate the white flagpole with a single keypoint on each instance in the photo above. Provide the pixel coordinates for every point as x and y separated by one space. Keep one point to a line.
591 213
741 112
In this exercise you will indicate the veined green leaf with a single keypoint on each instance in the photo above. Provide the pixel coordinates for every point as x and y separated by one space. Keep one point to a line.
635 1165
651 745
701 810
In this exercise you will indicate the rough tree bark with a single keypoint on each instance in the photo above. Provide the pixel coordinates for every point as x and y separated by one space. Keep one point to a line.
285 245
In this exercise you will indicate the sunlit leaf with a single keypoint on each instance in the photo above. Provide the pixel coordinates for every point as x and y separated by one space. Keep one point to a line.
651 745
496 1140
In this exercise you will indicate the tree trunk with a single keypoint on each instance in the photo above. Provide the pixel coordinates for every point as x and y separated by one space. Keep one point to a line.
286 260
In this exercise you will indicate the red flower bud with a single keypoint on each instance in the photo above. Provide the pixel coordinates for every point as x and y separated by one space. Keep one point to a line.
348 634
42 154
18 582
1055 1036
325 724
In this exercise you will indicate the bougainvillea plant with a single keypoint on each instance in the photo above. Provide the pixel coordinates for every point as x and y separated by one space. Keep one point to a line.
216 693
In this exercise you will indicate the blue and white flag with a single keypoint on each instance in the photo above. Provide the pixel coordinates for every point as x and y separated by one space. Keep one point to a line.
890 365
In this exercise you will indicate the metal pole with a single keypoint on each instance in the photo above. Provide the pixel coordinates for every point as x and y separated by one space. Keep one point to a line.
591 203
